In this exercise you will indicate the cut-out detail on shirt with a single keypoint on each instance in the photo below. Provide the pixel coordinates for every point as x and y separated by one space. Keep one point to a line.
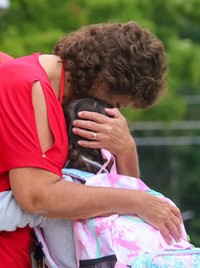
44 132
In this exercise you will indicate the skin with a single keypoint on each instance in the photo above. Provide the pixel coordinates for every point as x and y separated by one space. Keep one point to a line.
111 134
39 191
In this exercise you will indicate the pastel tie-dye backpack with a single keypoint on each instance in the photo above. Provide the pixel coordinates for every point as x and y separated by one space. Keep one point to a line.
120 241
127 240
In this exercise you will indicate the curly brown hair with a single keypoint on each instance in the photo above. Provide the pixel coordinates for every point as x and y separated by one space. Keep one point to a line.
127 58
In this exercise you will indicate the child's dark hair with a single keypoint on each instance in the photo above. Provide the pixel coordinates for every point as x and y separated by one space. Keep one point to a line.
76 152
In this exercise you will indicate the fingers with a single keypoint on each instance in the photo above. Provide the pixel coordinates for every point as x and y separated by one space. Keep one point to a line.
90 130
171 227
175 225
166 234
93 121
173 231
177 221
86 125
100 118
176 212
111 133
93 138
102 125
170 230
114 112
165 217
172 224
93 141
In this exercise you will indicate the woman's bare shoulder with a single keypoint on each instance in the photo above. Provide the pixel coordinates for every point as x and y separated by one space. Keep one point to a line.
52 65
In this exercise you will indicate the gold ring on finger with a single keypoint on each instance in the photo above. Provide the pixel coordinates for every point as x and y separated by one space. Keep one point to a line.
94 136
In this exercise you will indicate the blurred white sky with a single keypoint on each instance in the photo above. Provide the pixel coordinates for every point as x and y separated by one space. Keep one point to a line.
4 3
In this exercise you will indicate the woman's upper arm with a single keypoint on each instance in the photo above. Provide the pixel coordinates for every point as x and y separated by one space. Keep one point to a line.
29 185
27 182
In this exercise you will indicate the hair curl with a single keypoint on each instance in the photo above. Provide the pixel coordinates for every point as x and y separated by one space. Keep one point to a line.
76 151
127 58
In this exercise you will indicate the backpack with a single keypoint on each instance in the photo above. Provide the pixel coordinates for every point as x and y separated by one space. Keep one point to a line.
126 240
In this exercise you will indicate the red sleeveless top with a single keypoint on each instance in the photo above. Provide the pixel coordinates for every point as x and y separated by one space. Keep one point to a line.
19 142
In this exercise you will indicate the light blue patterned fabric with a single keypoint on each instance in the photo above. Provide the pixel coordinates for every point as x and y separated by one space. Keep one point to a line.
189 258
75 173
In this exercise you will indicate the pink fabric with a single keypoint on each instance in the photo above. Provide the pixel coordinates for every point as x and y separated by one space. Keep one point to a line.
126 236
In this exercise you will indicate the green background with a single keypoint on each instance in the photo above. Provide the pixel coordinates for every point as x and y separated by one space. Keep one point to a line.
170 160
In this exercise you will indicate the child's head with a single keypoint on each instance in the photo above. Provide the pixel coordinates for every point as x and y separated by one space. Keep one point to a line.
75 151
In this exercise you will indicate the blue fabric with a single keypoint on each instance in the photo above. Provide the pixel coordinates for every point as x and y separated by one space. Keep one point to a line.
82 175
189 258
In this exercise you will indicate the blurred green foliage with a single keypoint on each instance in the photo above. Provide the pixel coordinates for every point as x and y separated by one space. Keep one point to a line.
28 26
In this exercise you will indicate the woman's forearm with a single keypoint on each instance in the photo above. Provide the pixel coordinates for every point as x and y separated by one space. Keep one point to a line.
76 201
127 161
42 192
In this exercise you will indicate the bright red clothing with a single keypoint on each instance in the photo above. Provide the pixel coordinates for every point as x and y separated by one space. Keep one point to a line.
4 57
15 248
19 142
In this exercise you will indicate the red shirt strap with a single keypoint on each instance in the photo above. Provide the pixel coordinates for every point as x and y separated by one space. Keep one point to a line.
62 83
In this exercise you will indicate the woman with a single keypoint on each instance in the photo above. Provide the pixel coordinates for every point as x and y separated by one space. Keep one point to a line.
58 233
120 63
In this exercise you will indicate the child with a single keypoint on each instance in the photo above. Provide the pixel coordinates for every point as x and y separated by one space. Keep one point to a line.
82 166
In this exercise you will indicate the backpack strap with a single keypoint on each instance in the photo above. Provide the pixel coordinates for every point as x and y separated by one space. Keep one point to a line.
85 175
108 157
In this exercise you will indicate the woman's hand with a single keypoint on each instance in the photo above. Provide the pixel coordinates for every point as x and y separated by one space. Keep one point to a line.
111 133
160 214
